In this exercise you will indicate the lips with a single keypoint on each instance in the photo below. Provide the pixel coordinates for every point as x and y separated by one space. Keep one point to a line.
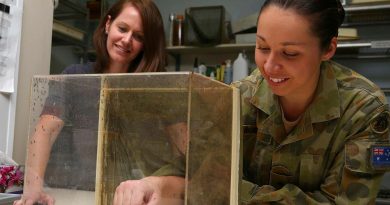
122 49
277 80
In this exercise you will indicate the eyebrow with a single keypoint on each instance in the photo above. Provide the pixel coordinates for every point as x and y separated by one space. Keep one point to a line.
287 43
127 25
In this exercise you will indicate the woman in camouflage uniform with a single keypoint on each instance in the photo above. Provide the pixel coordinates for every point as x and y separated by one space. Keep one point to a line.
310 122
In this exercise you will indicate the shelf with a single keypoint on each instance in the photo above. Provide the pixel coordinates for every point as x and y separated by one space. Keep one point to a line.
61 39
225 48
363 49
362 56
70 26
228 48
70 10
367 7
231 48
354 44
63 32
367 14
342 48
67 30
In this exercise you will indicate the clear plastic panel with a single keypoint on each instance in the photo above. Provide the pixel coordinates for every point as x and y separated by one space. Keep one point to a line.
114 128
137 113
70 102
209 158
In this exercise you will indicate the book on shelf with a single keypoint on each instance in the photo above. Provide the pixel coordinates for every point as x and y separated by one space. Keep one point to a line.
245 24
348 34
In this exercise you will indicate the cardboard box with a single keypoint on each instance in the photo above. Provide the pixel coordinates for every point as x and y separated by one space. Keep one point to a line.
245 24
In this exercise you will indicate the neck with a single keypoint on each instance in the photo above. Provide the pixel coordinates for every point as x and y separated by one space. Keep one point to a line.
294 106
117 68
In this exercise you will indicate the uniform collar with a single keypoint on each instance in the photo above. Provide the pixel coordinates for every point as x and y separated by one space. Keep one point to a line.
325 105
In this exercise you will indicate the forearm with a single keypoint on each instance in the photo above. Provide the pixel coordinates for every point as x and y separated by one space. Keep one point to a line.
38 149
38 155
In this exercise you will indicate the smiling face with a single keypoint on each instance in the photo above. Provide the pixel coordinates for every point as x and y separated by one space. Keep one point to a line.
287 53
124 38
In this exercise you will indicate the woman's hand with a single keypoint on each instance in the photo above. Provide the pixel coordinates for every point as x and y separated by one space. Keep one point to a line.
33 189
34 197
151 191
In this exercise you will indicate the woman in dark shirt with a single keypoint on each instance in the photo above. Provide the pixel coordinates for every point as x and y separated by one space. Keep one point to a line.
125 41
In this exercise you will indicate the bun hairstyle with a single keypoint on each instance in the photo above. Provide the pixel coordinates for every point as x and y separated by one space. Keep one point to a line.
326 16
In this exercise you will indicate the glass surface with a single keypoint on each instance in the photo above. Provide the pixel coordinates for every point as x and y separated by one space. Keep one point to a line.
130 126
70 173
209 159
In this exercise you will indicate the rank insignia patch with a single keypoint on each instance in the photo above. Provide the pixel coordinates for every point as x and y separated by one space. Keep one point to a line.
380 124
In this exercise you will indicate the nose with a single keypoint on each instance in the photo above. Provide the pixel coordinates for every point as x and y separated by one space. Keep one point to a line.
271 63
127 37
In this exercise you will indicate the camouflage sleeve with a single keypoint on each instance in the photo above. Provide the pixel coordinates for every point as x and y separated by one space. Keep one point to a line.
175 168
358 181
350 179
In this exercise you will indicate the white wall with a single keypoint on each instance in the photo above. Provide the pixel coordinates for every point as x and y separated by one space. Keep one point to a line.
34 60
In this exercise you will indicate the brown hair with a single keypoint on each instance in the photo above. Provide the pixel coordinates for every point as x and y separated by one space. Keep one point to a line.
326 16
153 57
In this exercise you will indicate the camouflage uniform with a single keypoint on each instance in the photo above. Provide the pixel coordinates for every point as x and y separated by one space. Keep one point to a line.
325 158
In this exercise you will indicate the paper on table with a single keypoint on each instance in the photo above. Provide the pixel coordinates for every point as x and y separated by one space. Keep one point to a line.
10 33
71 196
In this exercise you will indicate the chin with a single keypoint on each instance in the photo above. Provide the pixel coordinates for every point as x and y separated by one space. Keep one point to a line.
279 92
121 60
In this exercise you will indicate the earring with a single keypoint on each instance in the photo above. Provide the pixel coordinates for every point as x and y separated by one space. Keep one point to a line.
106 32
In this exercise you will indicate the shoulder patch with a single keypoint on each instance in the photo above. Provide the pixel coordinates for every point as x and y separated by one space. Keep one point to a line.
380 157
380 124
